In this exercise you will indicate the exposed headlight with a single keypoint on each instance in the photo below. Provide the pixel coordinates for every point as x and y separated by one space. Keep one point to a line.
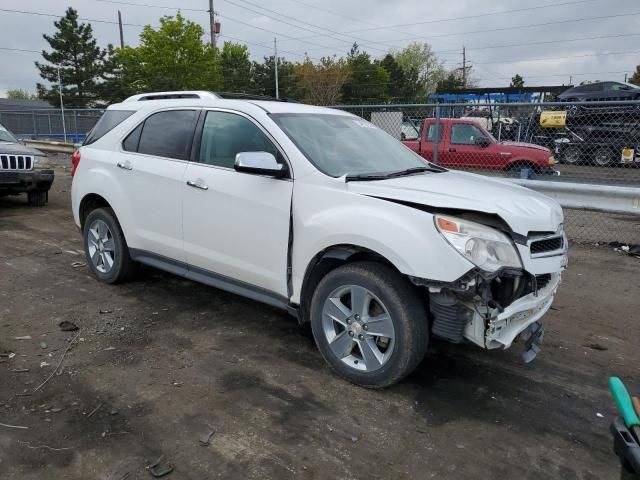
485 247
552 160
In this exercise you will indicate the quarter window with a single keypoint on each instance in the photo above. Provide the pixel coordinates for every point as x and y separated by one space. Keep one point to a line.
226 134
164 134
465 134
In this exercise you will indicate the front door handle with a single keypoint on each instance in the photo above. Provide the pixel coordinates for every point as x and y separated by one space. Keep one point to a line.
197 184
452 149
125 165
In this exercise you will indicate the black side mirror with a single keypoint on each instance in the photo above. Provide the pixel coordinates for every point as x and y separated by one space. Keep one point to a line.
482 142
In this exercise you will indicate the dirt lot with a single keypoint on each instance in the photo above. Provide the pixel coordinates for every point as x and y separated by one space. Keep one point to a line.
160 362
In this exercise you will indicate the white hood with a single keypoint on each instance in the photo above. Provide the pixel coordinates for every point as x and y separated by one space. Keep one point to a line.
521 208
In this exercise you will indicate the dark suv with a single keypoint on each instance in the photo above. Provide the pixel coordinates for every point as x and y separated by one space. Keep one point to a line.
601 91
19 172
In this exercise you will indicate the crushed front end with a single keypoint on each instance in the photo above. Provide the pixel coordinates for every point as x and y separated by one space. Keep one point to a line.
495 308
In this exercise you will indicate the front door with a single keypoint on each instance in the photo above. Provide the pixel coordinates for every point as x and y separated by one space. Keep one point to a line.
236 225
463 150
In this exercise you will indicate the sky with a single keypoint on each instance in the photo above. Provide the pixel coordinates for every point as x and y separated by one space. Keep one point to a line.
547 42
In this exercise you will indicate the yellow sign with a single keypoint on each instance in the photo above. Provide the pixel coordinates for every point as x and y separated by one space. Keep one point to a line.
553 119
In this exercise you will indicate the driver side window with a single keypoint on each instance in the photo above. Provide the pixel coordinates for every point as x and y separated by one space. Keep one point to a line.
465 134
226 134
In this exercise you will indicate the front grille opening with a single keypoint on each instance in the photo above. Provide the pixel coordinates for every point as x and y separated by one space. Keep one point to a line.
543 280
15 162
547 245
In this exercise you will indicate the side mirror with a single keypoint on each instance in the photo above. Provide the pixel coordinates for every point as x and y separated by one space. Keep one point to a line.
259 163
482 142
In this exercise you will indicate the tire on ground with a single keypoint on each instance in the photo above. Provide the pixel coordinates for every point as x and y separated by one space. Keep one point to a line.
37 198
407 311
124 267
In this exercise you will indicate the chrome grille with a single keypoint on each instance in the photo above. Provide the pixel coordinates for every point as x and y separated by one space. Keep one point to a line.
16 162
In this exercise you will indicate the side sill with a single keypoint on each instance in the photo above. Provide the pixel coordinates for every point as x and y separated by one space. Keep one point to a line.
213 280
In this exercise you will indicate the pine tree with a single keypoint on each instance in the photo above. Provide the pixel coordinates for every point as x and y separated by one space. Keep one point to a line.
81 62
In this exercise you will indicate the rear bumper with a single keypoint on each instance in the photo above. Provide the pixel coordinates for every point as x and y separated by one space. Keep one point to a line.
13 182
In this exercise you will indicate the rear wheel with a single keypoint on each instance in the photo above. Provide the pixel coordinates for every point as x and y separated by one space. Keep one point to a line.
572 156
38 198
603 157
369 324
106 248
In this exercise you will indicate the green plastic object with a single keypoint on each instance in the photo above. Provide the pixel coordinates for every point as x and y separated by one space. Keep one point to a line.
623 401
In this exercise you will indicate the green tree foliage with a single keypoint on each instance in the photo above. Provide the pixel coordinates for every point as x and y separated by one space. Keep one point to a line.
173 57
635 78
236 67
368 80
517 81
81 62
398 90
19 94
422 69
452 81
263 80
322 83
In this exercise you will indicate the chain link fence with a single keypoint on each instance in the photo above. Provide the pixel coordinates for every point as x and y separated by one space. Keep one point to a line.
588 143
47 124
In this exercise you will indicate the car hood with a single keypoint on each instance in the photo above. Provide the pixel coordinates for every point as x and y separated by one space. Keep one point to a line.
521 208
525 145
12 148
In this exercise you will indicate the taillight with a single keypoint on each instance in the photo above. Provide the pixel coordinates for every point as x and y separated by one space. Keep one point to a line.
75 160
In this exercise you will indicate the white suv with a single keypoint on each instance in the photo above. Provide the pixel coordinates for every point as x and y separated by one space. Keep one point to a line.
318 212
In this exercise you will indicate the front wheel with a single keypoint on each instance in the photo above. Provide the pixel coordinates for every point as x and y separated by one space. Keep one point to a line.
603 157
369 324
38 198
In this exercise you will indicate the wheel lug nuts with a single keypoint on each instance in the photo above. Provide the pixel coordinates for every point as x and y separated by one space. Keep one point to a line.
361 337
357 317
365 327
350 333
348 321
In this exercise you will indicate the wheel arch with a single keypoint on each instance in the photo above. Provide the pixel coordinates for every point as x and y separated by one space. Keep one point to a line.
90 202
327 260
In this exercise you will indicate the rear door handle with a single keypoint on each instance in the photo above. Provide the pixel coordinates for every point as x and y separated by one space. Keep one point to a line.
452 149
125 165
197 184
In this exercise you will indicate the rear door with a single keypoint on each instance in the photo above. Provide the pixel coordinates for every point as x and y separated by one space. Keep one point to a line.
428 142
150 168
236 225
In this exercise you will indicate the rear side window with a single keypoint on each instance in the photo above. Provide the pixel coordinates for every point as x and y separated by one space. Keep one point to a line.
109 120
166 134
431 133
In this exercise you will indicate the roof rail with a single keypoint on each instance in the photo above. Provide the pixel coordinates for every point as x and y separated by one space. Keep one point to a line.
171 95
251 96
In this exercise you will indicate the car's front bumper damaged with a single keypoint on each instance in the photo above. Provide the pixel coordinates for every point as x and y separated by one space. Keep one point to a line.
495 311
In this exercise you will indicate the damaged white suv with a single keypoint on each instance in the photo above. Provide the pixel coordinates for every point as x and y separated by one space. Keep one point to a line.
318 212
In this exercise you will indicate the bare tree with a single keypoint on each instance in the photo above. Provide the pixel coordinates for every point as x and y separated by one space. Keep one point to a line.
321 83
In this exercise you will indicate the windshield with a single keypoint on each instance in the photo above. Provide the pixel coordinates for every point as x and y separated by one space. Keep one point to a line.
5 136
340 145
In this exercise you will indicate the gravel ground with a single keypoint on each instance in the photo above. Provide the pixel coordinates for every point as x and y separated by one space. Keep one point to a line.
160 363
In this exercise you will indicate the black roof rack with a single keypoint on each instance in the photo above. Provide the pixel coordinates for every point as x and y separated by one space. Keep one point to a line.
252 96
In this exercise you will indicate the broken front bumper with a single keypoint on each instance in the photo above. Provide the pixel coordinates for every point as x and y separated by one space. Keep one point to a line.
503 329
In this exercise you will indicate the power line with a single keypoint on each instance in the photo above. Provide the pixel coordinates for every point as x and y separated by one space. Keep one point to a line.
317 27
148 5
60 16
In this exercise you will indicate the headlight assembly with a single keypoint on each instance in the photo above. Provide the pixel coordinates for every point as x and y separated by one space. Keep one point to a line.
485 247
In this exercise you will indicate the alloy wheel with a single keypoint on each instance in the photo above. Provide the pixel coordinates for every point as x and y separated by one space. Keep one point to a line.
101 245
358 328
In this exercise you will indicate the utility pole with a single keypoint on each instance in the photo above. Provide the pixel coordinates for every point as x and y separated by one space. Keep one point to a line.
275 61
464 67
120 26
625 78
212 21
64 127
570 79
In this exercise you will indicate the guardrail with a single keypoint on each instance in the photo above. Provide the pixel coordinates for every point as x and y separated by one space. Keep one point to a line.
580 196
53 147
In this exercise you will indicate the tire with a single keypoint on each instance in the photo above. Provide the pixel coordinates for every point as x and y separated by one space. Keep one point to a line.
38 198
517 166
572 156
389 292
604 157
113 263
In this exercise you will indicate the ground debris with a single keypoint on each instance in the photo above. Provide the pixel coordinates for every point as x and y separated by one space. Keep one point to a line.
205 440
95 410
24 337
596 346
158 470
67 326
78 264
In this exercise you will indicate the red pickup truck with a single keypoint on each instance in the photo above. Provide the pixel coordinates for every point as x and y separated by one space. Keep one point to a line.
466 144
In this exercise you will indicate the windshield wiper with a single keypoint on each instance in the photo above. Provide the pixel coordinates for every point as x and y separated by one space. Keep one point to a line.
383 176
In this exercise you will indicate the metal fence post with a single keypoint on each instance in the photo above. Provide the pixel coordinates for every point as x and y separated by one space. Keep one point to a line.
75 125
49 122
35 125
436 141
